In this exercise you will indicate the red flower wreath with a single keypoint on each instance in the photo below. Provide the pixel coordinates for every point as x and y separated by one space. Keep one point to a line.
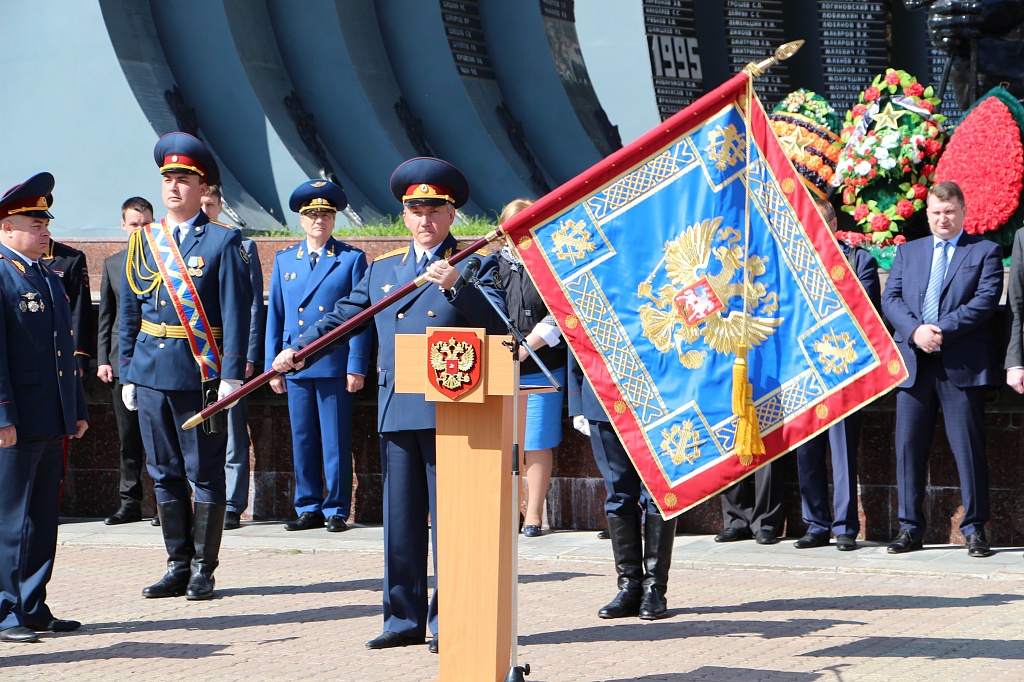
986 158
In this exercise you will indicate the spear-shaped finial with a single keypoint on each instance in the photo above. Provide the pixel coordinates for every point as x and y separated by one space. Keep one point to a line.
783 53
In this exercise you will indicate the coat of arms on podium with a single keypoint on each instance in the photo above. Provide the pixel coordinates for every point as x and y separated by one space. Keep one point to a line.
453 361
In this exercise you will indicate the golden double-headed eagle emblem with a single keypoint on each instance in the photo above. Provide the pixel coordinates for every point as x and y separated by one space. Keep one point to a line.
452 360
698 300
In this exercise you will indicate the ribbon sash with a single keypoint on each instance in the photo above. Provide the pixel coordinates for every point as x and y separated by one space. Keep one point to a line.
184 298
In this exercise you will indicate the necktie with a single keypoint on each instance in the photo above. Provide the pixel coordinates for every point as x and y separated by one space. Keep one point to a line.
930 311
181 231
421 264
313 258
43 282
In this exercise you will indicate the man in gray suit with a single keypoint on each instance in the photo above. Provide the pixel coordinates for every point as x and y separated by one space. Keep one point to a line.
941 293
135 213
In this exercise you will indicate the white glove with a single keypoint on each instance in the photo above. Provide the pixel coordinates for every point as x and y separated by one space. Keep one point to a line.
580 423
227 387
128 397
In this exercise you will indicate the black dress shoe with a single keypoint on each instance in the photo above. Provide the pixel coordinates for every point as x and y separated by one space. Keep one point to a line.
433 645
977 546
765 537
306 521
846 542
155 521
336 524
603 535
128 513
905 541
232 520
18 633
389 640
734 534
810 540
55 625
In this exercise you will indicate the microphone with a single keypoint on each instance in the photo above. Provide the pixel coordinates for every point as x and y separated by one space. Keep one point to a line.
468 273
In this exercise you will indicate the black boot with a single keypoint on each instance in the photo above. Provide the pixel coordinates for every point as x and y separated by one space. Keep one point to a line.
626 546
176 524
209 528
659 536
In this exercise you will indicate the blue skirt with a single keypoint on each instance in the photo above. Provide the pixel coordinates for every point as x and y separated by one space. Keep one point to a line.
543 411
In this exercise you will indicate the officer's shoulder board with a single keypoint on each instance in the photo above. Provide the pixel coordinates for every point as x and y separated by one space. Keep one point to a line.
16 264
220 224
399 251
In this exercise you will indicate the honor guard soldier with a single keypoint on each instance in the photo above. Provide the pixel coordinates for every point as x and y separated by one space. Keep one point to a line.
307 280
184 331
41 402
642 547
430 191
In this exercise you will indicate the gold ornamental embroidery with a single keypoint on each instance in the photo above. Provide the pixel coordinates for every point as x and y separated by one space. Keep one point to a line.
572 241
726 146
835 352
680 443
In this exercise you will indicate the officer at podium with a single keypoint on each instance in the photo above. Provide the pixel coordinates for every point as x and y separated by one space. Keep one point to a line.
430 191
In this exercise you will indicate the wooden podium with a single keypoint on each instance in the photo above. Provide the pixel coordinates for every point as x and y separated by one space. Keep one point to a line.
474 495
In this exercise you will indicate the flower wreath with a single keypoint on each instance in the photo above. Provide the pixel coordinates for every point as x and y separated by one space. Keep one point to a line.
807 125
893 139
985 157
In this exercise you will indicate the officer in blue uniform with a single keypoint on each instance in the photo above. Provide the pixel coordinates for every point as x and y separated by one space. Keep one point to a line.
842 438
41 402
307 280
430 190
642 550
183 342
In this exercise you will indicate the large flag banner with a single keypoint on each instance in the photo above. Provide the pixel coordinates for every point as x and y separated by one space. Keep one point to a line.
676 256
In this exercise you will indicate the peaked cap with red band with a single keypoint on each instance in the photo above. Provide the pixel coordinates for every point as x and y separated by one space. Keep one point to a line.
34 197
184 153
426 181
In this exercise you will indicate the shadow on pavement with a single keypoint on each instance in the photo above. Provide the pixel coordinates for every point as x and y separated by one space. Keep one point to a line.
712 672
879 602
133 650
371 585
667 629
554 576
926 647
323 614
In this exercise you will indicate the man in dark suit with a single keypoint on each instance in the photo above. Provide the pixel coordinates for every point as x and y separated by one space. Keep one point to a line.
237 467
752 507
41 403
184 327
643 552
308 279
941 293
843 438
70 266
430 191
135 213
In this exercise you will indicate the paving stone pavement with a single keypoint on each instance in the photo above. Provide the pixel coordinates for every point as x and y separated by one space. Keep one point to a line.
301 605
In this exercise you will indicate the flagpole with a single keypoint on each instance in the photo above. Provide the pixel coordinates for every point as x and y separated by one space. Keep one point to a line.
335 334
748 442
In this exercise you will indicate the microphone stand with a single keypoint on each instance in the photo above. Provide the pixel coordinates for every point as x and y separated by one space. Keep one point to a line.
516 672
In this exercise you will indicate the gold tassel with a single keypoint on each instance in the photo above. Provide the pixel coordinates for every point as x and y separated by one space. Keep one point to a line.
748 431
